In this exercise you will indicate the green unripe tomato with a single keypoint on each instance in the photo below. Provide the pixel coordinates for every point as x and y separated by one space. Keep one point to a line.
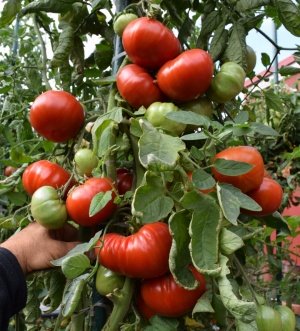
107 281
156 115
85 161
251 59
227 83
122 21
268 319
47 208
287 316
201 106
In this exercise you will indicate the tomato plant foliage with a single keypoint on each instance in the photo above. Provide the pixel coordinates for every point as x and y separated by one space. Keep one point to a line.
173 171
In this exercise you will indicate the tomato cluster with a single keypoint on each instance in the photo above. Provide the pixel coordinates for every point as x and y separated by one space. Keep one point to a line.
264 190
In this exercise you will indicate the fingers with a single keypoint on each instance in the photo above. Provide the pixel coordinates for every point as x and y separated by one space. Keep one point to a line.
67 233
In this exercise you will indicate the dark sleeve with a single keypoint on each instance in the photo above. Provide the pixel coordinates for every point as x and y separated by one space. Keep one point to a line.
13 290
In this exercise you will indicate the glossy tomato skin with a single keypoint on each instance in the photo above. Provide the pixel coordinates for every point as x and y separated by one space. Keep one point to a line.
107 281
248 181
85 161
186 77
44 173
56 115
79 200
137 86
251 59
143 309
124 180
144 254
268 319
149 43
47 208
166 298
9 170
288 318
122 21
268 196
156 115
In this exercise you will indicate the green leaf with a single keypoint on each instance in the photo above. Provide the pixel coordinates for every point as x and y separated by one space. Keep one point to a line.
210 22
230 242
17 198
52 6
149 201
159 151
289 14
245 5
203 180
9 12
204 232
218 42
74 266
72 294
241 326
99 201
18 155
203 305
194 136
263 129
241 310
273 100
158 323
289 71
180 258
265 59
232 168
188 117
103 135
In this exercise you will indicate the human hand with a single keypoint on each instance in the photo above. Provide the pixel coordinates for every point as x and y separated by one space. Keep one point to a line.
35 246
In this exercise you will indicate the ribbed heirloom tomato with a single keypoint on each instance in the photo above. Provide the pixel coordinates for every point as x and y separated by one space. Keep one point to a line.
79 200
149 43
268 196
144 254
56 115
186 77
44 173
165 297
137 86
248 181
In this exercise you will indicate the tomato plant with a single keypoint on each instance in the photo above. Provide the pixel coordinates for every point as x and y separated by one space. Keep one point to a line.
85 161
262 195
47 208
108 281
287 316
79 200
143 254
156 115
251 59
268 319
124 180
186 77
122 21
149 43
227 83
248 181
56 115
137 86
9 170
44 173
166 298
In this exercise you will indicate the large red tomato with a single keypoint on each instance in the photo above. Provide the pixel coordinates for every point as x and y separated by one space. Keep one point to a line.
44 173
137 86
149 43
144 254
186 77
268 196
79 200
248 181
56 115
165 297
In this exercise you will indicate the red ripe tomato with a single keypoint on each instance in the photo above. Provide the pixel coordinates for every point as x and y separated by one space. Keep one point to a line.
44 173
248 181
143 309
124 180
79 200
186 77
56 115
144 254
268 196
166 298
137 86
9 170
149 43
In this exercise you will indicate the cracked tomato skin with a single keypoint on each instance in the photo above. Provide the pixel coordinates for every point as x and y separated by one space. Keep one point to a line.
149 43
268 196
44 173
79 200
56 115
144 254
186 77
163 296
137 86
248 181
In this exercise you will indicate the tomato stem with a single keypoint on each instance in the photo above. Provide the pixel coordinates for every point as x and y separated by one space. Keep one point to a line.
121 300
